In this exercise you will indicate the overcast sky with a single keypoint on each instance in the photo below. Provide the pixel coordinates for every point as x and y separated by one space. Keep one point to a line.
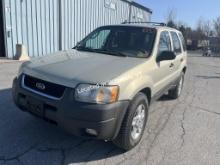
188 11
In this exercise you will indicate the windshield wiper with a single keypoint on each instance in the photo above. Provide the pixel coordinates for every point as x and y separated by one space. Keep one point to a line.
81 48
113 53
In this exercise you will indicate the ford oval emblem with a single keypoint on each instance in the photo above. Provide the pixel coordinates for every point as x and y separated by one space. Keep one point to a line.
40 86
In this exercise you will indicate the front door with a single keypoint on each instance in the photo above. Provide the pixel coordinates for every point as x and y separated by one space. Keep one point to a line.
165 69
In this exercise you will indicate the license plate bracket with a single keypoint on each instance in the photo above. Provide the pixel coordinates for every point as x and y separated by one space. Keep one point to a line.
35 106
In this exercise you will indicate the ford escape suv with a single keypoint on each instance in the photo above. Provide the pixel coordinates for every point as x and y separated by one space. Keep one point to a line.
103 88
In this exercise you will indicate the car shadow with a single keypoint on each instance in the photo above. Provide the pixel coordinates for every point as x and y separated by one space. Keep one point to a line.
165 97
26 138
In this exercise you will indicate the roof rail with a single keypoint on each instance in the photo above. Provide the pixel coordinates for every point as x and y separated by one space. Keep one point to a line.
153 23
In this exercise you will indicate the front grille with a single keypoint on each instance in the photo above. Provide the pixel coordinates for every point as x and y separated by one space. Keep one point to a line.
48 89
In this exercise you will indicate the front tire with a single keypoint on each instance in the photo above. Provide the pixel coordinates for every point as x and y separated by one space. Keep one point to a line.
134 123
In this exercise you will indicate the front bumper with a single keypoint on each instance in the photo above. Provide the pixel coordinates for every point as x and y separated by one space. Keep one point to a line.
73 116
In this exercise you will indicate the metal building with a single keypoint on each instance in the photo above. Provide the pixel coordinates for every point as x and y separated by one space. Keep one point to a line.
46 26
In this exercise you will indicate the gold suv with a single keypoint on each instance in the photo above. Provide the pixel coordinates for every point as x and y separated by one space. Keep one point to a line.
103 87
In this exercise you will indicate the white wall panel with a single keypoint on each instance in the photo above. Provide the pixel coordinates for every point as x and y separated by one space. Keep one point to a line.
37 25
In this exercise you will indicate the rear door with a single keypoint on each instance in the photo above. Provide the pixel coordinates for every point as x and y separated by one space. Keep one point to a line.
177 48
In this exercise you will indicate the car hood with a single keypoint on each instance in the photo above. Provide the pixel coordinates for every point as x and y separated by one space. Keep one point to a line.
72 67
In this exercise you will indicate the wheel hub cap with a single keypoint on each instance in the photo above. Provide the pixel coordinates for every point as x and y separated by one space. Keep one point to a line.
138 122
180 86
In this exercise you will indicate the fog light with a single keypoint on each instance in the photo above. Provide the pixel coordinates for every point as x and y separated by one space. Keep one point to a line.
91 132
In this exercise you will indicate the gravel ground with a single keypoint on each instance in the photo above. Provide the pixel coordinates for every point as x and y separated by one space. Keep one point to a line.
178 132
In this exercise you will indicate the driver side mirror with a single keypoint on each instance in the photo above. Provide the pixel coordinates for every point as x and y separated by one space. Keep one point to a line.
166 56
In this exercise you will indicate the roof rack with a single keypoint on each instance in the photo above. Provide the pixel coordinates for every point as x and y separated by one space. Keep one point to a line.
153 23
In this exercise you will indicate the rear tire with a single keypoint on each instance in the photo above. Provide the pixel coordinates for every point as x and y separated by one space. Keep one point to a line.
134 123
176 92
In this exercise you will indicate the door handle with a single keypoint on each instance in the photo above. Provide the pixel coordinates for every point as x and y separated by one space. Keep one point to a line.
171 65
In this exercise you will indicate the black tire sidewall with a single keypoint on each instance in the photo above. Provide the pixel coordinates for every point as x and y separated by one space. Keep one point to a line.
139 99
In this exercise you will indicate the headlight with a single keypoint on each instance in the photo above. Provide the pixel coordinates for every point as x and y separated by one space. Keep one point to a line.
96 94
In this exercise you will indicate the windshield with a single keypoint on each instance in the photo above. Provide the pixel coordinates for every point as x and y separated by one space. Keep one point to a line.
120 41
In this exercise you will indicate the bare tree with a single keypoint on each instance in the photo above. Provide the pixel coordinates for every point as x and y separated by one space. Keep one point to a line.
199 32
171 18
204 31
181 23
217 26
171 15
204 27
200 24
207 28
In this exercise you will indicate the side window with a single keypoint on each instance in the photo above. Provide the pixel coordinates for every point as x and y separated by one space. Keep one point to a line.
176 43
183 41
165 43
